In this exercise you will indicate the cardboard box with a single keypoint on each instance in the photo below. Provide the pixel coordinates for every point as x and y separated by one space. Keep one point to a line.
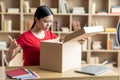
64 56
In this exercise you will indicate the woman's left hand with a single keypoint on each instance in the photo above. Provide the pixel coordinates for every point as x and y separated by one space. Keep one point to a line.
81 41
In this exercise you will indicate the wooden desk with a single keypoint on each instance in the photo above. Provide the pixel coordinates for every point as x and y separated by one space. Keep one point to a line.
69 75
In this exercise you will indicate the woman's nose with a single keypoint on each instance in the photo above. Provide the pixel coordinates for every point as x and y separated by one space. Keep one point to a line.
48 24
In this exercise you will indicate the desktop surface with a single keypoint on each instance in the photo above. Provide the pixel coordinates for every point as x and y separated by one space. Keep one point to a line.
68 75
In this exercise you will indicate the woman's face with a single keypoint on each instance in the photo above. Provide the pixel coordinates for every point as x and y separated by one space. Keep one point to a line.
44 23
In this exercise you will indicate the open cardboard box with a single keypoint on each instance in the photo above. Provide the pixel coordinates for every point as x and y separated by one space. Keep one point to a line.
64 56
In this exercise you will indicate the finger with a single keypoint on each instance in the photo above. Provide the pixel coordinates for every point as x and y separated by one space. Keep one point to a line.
10 38
14 41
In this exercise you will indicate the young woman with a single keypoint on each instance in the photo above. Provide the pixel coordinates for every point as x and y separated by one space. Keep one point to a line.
29 41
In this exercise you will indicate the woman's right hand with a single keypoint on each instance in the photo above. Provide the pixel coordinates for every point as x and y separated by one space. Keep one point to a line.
13 43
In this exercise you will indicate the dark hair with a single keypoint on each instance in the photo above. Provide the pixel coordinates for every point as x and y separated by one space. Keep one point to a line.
42 11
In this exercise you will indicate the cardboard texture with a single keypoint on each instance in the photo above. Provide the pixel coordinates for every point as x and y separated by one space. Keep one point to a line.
64 56
83 33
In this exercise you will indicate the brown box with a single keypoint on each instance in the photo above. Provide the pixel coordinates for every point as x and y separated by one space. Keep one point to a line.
64 56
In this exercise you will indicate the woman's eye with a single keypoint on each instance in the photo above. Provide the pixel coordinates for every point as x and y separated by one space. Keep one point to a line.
51 21
47 21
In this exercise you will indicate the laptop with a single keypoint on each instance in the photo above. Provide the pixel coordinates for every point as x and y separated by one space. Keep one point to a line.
93 69
118 33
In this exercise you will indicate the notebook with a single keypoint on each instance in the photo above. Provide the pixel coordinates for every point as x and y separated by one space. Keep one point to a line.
16 72
21 73
93 69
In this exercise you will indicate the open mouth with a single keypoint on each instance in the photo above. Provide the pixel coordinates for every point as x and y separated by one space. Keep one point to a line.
45 28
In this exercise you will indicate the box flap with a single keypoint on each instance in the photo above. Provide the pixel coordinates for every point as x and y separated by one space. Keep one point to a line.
83 33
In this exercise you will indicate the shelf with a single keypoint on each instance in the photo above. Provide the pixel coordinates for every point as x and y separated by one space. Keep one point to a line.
97 15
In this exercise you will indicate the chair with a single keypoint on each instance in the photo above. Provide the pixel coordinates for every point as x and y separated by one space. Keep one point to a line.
16 61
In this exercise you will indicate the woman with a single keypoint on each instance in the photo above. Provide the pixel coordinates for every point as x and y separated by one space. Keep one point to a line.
30 41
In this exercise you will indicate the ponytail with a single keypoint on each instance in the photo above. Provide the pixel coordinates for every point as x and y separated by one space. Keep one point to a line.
33 25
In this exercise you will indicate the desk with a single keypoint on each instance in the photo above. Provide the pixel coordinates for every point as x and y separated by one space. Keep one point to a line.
68 75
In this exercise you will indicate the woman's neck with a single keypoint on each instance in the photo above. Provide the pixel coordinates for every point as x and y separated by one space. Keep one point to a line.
38 33
36 30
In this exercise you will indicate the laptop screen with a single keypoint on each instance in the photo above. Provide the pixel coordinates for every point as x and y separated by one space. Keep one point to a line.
118 33
93 69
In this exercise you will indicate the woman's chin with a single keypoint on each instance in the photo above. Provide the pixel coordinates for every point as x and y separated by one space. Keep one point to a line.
45 29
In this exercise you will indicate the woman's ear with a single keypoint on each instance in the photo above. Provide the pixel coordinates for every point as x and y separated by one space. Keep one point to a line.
36 19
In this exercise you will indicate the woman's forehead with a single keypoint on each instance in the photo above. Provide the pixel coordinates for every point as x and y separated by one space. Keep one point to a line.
48 17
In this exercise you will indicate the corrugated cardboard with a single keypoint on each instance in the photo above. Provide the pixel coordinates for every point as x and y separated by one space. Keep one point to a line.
83 33
64 56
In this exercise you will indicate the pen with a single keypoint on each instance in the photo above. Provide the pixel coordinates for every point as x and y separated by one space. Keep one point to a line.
30 72
10 38
35 74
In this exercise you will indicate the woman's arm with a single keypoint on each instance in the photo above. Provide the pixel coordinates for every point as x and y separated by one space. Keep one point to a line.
13 49
12 53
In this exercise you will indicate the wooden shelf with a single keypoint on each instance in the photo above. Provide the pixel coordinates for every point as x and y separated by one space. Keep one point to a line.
88 18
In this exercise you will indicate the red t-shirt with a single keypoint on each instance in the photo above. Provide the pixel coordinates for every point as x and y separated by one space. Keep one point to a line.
31 46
